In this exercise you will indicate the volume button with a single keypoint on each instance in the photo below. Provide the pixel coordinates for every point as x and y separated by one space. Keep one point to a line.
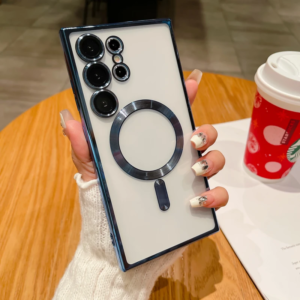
112 239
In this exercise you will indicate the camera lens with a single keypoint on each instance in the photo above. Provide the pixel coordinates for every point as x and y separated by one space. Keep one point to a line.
89 47
121 72
114 45
96 75
104 103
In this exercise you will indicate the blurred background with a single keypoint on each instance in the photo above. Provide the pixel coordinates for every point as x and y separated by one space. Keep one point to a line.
231 37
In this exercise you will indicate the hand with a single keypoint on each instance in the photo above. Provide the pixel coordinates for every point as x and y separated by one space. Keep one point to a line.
205 136
93 272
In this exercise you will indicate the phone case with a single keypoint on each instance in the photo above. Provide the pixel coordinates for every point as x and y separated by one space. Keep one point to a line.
143 154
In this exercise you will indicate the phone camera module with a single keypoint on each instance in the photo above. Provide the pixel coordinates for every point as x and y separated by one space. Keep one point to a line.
114 45
104 103
89 47
121 72
96 75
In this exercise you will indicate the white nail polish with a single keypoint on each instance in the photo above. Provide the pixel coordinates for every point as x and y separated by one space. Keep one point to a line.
199 139
198 201
200 167
62 121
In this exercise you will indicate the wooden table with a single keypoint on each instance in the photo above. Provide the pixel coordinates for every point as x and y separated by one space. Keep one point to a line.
39 210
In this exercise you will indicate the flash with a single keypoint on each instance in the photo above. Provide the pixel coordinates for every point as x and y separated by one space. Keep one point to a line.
117 59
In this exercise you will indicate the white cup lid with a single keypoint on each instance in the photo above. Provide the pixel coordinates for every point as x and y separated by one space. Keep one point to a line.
281 75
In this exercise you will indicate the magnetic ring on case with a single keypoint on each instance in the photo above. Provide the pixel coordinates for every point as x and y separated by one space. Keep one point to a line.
114 45
115 144
89 47
96 75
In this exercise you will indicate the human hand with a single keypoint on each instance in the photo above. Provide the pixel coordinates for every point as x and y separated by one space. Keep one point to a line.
94 272
205 136
210 163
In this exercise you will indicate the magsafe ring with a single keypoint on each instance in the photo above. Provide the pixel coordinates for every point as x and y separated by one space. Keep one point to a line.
115 143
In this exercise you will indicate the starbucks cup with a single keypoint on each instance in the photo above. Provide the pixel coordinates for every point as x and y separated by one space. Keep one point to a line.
273 144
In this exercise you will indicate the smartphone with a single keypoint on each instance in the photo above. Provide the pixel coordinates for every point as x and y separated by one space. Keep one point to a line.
130 93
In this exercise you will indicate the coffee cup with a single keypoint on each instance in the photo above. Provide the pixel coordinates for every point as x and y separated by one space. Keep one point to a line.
273 143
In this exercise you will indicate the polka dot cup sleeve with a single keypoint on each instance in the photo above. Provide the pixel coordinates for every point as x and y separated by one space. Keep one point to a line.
273 144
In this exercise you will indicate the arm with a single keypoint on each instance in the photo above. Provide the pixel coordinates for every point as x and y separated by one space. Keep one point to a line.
94 272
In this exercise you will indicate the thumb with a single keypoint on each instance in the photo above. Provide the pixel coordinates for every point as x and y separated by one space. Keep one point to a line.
73 130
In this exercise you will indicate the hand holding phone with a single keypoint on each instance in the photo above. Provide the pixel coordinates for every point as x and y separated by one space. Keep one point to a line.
137 121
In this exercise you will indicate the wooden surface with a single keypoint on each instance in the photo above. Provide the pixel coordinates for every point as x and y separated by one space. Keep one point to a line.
39 210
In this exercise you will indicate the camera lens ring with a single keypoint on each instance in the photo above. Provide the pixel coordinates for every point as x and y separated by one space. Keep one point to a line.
79 51
114 72
94 108
118 40
79 42
85 75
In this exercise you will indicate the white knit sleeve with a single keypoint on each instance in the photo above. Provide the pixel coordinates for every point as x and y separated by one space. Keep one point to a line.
93 272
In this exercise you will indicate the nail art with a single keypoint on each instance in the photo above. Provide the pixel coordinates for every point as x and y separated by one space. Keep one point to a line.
198 201
200 167
199 139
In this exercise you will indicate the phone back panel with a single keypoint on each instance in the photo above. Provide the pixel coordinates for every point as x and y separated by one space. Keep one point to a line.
147 141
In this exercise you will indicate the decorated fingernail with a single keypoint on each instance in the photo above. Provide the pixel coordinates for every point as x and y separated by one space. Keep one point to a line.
195 75
198 201
201 167
199 140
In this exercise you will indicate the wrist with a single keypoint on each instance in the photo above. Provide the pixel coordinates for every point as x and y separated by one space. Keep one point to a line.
88 176
94 271
91 276
86 169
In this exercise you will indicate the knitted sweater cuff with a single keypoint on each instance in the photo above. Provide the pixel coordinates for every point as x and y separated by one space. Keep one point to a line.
94 271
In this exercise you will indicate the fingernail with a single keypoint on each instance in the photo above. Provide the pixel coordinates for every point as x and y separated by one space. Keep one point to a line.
198 140
62 121
198 201
202 201
201 167
65 116
195 75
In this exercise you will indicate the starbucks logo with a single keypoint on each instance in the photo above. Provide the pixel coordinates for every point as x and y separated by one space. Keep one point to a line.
294 151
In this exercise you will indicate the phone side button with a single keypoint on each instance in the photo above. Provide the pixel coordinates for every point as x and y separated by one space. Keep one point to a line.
112 239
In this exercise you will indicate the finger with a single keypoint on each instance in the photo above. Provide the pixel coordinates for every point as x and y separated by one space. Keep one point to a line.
203 137
215 198
192 83
74 132
209 164
65 116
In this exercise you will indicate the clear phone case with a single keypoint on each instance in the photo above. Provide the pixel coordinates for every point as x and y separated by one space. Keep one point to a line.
142 151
